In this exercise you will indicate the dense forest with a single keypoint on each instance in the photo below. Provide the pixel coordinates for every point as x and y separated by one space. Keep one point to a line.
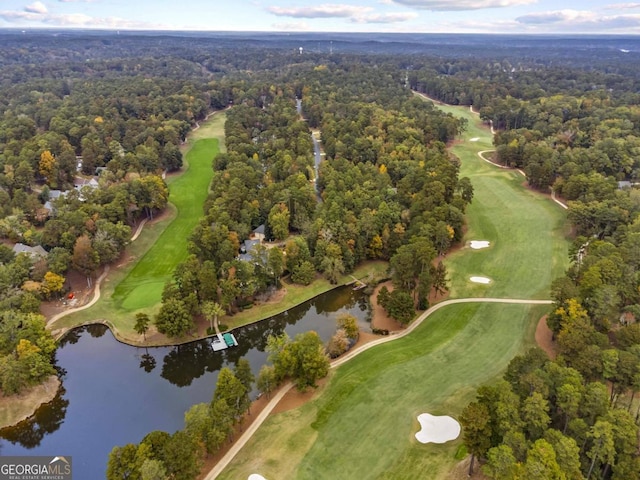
89 125
387 190
573 132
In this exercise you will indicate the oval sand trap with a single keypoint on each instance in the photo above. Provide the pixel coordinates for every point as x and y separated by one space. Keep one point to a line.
474 139
437 429
477 244
484 280
255 476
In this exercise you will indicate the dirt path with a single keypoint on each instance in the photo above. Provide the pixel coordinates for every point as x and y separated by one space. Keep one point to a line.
544 338
242 440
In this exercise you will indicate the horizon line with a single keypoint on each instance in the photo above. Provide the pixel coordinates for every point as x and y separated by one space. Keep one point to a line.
303 32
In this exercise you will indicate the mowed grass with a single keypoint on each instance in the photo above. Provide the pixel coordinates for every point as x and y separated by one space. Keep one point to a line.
137 286
142 287
369 272
362 423
527 230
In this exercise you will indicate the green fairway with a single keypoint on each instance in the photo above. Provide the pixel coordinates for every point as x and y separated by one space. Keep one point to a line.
362 424
162 245
142 288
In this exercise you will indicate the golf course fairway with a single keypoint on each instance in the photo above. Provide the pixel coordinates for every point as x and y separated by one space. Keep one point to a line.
361 423
137 285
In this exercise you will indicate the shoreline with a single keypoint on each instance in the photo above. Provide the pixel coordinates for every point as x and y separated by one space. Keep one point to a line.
59 333
93 295
23 406
223 460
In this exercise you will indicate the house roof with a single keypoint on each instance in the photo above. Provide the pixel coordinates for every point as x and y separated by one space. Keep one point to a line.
247 250
36 251
53 194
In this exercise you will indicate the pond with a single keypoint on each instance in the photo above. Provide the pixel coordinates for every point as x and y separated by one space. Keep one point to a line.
114 394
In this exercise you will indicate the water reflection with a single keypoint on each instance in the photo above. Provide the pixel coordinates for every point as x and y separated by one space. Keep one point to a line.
96 330
115 394
48 418
184 363
147 362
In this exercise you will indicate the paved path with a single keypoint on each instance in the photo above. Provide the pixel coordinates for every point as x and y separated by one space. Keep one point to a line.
553 193
96 297
244 438
481 155
553 197
248 433
138 230
98 282
96 293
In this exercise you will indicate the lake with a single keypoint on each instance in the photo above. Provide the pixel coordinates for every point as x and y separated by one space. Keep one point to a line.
114 394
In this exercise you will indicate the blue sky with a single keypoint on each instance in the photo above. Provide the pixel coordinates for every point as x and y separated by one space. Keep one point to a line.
455 16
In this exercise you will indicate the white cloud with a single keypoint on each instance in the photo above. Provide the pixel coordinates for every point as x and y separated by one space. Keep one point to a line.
557 16
74 20
36 7
327 10
291 27
581 21
354 13
457 5
622 6
385 18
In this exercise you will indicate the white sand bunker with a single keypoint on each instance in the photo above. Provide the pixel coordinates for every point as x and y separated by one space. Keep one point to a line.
484 280
437 429
255 476
474 139
477 244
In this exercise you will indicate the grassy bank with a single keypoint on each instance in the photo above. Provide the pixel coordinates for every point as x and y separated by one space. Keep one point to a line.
362 424
370 271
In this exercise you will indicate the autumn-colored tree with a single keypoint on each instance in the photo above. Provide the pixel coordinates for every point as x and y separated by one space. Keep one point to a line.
338 344
48 167
53 283
85 259
279 221
349 324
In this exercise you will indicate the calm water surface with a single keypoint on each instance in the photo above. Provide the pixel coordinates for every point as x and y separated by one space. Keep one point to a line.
115 394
